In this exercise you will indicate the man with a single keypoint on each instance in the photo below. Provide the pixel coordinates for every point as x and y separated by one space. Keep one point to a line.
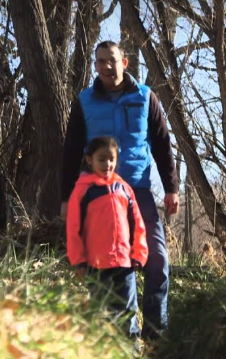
117 105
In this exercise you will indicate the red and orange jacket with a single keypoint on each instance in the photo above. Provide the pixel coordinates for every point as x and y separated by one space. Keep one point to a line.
104 224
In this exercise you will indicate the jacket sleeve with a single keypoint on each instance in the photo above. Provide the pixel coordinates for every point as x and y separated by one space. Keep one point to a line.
74 144
75 246
139 247
161 146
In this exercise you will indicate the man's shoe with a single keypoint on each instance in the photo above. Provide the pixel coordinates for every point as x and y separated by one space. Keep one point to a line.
150 348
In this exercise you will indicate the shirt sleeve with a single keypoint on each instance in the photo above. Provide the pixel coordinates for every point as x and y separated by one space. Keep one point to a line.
161 146
75 246
74 144
139 248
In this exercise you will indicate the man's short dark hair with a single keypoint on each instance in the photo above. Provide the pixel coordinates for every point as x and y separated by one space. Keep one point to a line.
107 44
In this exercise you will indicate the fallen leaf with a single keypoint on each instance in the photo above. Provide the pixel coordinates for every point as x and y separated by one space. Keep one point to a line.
10 303
15 351
63 323
78 337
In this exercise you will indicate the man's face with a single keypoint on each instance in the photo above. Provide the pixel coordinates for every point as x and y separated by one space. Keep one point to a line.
110 65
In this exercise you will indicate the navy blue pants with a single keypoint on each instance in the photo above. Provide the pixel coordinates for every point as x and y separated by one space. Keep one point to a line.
156 271
115 289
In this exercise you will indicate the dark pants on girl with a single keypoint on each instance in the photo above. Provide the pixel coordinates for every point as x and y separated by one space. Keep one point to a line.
115 290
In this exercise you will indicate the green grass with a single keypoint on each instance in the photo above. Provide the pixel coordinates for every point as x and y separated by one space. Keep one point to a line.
197 320
45 313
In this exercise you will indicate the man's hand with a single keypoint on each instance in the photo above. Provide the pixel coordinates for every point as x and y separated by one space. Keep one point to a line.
171 202
63 210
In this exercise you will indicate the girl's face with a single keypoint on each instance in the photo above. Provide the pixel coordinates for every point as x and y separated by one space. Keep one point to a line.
103 161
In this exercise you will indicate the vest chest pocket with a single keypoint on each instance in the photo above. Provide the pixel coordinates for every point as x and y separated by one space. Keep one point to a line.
135 117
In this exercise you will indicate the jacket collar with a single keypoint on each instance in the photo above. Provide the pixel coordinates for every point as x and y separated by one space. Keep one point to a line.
131 84
92 178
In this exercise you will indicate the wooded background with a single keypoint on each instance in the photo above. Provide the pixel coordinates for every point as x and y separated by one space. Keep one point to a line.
46 56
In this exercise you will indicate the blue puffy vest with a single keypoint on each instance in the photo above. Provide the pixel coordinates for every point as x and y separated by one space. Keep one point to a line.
126 119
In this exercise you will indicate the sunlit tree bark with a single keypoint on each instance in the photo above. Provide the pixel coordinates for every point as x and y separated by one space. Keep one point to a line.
188 235
128 38
48 102
58 17
87 31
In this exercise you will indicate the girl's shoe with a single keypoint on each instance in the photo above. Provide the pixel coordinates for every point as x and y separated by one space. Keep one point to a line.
139 347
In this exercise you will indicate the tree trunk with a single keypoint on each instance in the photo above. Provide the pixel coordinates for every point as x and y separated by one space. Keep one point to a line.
48 103
220 51
188 240
57 16
172 101
2 203
87 31
128 40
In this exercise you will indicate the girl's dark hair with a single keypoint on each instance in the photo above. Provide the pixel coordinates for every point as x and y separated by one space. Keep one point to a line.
94 145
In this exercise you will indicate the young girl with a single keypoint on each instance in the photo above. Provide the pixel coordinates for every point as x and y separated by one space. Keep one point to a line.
105 230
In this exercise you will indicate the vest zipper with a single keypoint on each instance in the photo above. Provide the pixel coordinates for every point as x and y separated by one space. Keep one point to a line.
126 117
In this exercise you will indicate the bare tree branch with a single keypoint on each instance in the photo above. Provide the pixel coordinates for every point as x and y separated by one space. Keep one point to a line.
200 67
3 49
192 47
6 91
205 7
173 103
109 12
185 9
168 46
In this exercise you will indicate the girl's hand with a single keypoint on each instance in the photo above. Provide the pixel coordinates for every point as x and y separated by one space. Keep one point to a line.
80 273
63 210
136 265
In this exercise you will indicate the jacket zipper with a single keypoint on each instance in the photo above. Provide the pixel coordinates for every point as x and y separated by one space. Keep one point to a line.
115 234
111 193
